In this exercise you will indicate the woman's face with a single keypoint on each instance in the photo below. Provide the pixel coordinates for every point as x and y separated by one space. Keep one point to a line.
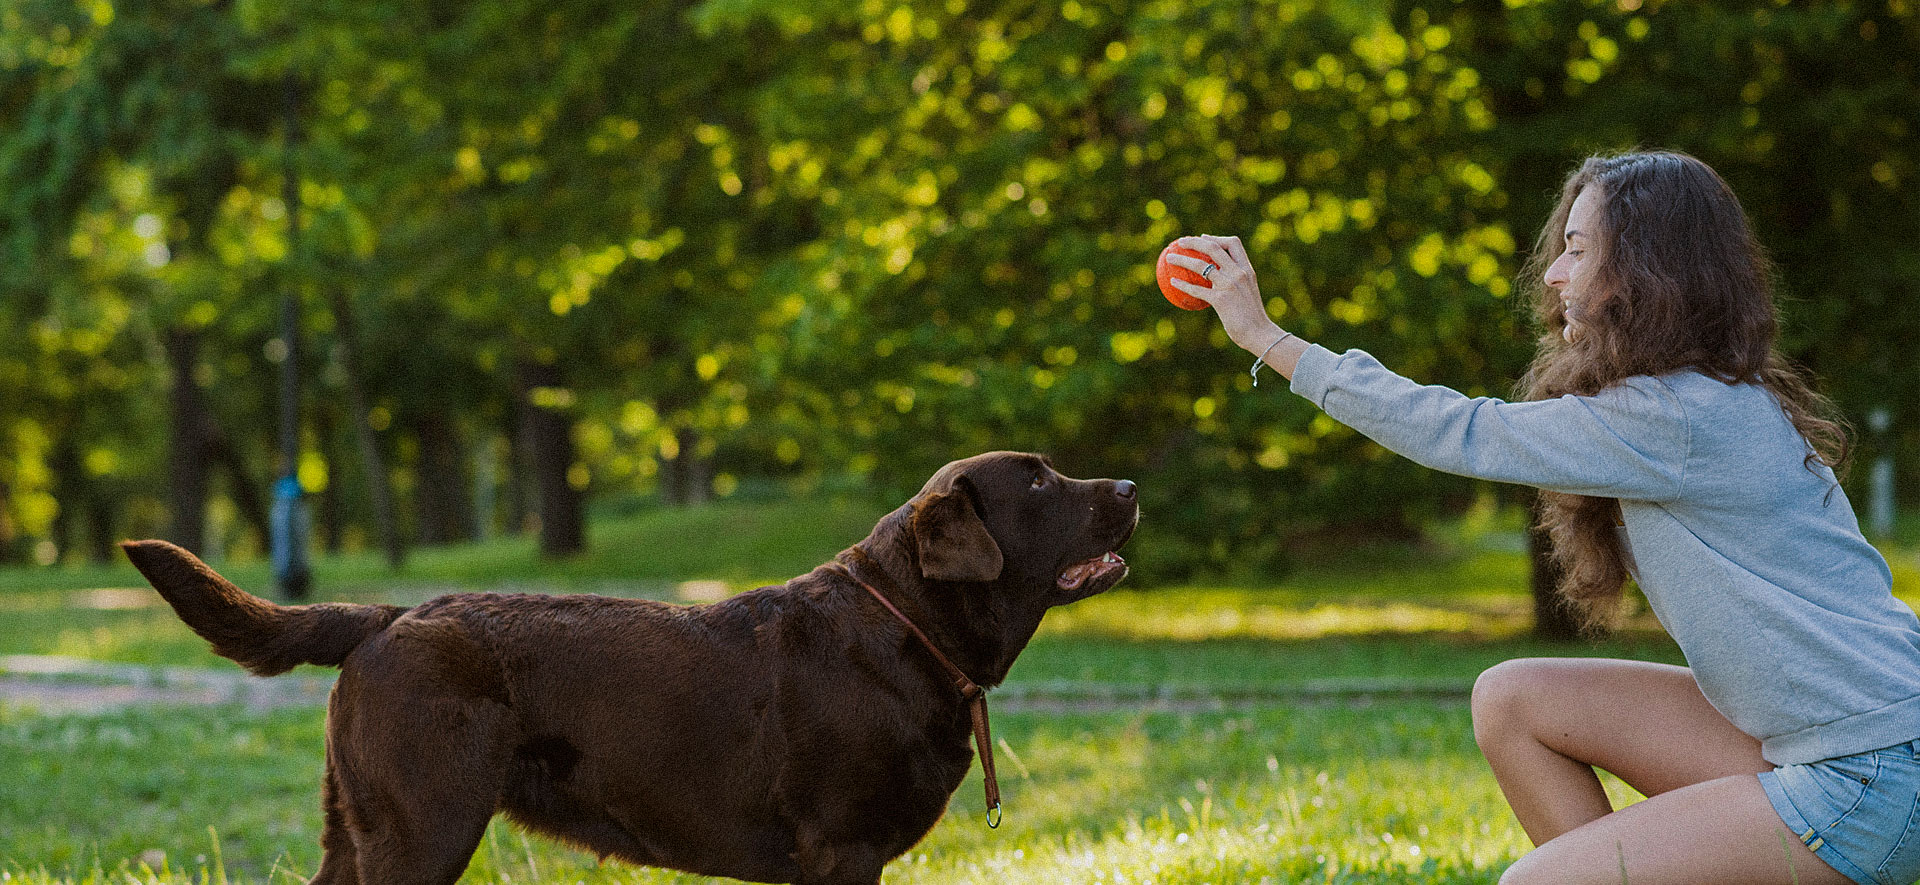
1569 274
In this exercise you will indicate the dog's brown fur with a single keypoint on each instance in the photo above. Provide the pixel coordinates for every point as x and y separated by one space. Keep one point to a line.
795 733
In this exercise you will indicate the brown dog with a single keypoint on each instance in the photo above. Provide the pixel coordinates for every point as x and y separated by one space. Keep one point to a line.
797 733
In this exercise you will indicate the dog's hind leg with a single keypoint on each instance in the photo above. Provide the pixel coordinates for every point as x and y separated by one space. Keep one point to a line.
340 864
418 771
842 863
418 813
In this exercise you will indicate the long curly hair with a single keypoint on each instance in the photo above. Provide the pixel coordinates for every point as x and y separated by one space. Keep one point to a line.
1681 284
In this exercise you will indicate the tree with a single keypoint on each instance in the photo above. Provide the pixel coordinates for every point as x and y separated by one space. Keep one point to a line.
993 186
1805 109
681 242
136 109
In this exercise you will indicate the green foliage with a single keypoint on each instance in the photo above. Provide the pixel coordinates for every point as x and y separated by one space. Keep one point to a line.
1808 110
814 241
995 182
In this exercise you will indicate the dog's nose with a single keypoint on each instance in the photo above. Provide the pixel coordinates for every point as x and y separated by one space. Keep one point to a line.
1124 488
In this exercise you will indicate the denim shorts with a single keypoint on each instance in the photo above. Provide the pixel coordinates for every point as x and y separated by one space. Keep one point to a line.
1860 814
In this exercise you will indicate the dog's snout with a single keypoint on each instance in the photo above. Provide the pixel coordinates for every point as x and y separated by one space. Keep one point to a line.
1125 489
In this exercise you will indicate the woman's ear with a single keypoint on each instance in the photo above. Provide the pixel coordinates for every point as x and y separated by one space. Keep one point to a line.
953 542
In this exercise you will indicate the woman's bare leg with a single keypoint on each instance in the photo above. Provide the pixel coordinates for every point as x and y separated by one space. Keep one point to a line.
1721 832
1545 724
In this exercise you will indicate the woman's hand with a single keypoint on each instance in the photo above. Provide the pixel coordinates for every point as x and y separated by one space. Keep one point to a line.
1235 295
1235 298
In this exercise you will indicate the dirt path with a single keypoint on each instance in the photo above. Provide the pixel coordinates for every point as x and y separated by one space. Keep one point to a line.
76 685
73 685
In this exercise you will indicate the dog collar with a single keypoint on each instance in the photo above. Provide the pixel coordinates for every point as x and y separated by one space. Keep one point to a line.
975 696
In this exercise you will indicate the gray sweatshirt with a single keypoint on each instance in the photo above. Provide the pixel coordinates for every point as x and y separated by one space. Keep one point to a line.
1754 563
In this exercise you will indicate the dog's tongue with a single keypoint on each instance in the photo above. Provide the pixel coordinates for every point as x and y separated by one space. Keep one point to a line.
1080 572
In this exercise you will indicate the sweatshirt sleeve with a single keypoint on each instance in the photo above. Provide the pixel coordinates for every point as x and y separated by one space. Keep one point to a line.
1629 441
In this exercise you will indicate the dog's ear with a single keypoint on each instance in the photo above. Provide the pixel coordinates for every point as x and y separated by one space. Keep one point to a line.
954 544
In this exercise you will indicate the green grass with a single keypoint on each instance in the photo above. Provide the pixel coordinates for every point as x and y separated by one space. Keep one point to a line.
1390 792
1301 787
116 787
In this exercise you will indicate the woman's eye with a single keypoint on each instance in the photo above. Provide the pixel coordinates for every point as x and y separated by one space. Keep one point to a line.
1576 252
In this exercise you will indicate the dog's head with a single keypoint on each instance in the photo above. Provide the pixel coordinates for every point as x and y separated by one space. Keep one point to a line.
1010 518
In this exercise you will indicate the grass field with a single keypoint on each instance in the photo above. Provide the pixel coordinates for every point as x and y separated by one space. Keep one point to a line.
1192 734
1384 792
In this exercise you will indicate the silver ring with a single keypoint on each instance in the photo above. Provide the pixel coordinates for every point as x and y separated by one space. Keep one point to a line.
1206 273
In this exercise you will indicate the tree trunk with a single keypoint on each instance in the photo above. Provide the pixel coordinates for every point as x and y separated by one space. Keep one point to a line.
189 461
100 534
332 504
686 478
10 549
379 484
519 467
444 515
486 487
548 435
69 488
1554 618
698 474
81 498
240 483
672 489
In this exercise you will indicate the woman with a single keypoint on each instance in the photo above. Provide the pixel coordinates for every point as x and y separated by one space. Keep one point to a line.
1673 443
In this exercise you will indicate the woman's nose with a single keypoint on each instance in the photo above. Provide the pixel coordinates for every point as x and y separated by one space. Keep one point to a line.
1556 274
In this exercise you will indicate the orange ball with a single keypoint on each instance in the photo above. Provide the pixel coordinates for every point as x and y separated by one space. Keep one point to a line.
1166 273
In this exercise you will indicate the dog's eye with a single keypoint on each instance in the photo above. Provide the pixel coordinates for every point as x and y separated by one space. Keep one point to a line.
1039 481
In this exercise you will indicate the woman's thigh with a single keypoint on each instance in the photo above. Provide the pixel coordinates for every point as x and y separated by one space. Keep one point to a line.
1647 724
1720 832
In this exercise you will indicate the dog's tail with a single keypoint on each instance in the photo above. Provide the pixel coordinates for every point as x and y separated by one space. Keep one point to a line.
265 638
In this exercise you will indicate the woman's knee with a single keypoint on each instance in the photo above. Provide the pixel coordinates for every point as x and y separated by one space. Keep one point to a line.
1501 693
1527 871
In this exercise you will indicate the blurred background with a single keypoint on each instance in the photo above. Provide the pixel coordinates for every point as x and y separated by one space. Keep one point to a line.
471 270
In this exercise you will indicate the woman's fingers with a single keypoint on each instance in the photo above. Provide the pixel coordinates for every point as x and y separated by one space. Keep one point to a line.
1224 251
1226 254
1236 250
1204 293
1208 246
1189 262
1235 292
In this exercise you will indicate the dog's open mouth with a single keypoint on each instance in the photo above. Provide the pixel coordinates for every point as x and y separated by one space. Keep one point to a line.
1106 568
